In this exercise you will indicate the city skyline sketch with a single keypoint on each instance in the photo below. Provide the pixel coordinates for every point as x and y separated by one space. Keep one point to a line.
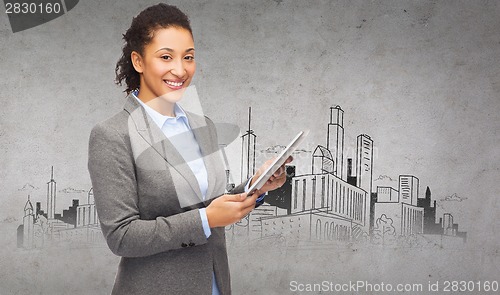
336 201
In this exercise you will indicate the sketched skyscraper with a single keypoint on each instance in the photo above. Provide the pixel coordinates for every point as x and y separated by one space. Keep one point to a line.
408 189
248 151
28 221
51 196
364 166
447 224
335 139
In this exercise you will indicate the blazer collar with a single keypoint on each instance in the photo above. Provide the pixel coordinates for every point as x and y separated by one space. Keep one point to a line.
153 135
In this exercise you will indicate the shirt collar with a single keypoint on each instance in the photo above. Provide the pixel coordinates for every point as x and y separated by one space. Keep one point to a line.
160 119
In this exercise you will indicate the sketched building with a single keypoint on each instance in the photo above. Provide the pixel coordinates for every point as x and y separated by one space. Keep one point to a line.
324 206
335 139
386 194
322 161
87 214
28 225
408 189
248 151
86 228
229 180
400 207
87 222
277 203
51 196
78 224
451 229
430 225
30 234
447 224
364 168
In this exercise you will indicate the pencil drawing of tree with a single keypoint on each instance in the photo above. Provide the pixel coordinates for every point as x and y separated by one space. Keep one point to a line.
384 232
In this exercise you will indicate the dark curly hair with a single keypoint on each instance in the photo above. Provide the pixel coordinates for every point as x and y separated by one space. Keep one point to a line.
140 33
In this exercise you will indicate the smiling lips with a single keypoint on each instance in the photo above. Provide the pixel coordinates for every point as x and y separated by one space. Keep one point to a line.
174 85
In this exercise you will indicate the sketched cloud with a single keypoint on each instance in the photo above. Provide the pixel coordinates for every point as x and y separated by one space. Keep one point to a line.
453 198
9 219
28 187
300 151
70 190
384 177
275 149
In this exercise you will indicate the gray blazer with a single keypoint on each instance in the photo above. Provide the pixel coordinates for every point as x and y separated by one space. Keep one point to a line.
146 198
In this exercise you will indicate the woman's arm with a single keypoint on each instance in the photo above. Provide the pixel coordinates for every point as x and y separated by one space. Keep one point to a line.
111 168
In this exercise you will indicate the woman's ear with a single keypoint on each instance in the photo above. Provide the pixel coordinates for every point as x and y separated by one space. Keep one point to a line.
136 61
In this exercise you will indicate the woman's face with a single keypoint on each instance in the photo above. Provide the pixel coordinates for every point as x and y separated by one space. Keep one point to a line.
166 65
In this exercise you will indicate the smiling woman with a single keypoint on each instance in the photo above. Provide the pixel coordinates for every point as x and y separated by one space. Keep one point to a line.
158 182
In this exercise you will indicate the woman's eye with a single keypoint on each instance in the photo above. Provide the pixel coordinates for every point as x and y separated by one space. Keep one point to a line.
189 57
166 57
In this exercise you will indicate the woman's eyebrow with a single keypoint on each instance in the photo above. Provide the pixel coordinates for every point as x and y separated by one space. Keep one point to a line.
171 50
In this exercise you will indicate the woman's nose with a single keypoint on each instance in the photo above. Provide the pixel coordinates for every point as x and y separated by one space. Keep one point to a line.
178 69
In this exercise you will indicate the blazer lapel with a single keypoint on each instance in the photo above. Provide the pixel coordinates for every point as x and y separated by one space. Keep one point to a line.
203 137
153 135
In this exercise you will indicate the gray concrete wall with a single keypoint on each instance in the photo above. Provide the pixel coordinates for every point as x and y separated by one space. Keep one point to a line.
422 78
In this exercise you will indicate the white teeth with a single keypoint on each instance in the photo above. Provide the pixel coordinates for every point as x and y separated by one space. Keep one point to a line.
176 84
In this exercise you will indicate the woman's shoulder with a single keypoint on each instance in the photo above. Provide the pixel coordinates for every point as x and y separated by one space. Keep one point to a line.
118 123
120 120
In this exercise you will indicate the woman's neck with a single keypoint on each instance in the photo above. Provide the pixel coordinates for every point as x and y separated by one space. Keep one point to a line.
159 104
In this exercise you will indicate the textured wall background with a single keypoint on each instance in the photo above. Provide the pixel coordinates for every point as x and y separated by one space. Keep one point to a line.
422 78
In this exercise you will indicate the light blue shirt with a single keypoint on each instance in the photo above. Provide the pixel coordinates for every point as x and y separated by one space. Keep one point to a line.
188 147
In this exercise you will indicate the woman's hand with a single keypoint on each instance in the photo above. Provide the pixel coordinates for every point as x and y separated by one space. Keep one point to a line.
228 209
276 180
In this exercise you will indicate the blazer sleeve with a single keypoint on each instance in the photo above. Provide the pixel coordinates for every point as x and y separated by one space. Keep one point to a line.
112 172
240 188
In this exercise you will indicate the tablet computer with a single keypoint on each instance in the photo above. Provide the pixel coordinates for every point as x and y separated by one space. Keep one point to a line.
280 160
